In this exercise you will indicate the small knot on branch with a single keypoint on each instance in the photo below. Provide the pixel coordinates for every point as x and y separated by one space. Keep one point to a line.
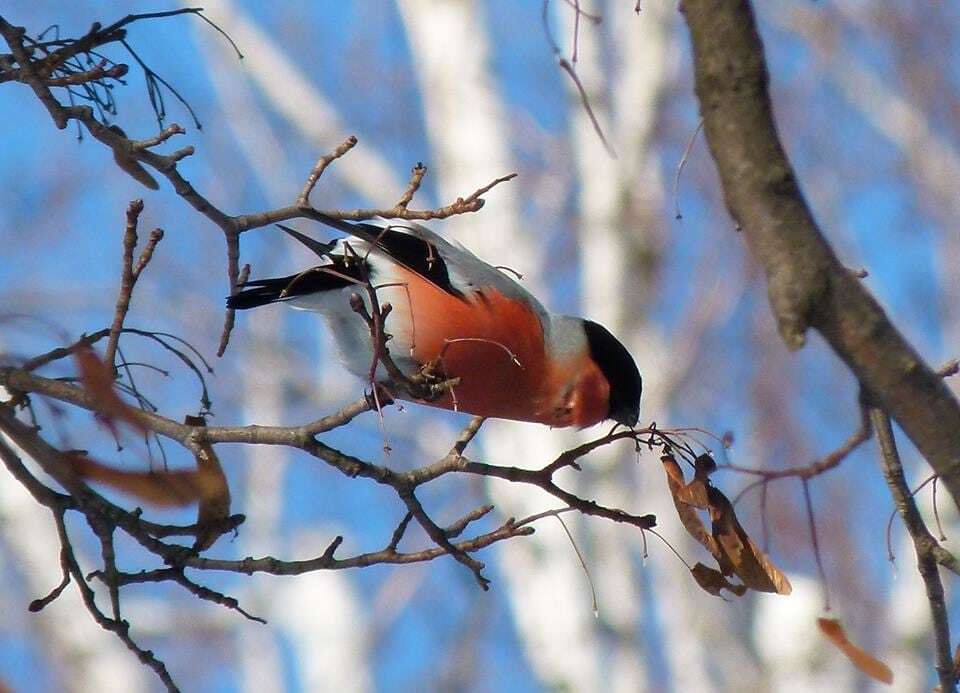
328 554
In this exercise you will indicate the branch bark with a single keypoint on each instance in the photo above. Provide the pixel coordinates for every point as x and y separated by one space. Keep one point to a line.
927 548
807 285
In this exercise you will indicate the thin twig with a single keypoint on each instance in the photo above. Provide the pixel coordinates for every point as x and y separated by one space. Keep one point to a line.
41 603
303 199
811 521
64 352
683 162
457 528
808 471
94 74
230 317
923 543
416 177
583 564
440 537
129 274
569 69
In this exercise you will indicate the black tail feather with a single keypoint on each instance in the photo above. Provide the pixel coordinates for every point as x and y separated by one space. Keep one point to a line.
264 291
260 292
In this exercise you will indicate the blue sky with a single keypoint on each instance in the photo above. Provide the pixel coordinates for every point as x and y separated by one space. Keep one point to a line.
61 217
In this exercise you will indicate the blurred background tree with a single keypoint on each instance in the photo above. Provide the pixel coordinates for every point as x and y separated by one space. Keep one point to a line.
866 98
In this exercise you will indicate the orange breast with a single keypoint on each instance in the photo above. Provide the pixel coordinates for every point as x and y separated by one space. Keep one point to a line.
495 345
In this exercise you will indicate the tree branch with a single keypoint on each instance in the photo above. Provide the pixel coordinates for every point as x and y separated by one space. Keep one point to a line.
924 543
129 274
807 285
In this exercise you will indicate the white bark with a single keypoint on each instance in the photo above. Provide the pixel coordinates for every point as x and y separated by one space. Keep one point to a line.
84 656
260 661
326 640
615 196
262 383
798 658
468 131
328 625
615 192
604 258
467 126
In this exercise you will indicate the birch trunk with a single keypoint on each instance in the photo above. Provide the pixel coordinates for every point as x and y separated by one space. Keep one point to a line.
467 126
83 656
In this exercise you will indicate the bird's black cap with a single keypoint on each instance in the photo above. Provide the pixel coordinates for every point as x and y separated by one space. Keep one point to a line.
620 370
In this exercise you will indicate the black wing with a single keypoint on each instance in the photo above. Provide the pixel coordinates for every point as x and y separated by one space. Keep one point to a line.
413 252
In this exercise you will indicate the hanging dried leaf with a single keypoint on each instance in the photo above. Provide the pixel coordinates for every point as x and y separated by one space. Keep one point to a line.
862 660
673 470
713 581
744 557
695 493
214 503
164 489
97 379
687 512
704 466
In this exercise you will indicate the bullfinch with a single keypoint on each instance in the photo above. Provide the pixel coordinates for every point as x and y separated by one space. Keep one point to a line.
514 359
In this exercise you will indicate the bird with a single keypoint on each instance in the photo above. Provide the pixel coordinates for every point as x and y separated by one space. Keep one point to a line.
514 359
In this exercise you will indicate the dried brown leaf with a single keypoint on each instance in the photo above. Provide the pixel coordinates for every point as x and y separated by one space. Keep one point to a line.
695 494
743 556
673 470
97 379
862 660
164 489
214 504
713 581
704 466
687 512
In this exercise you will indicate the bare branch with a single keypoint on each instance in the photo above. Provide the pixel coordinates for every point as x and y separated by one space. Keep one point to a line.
924 544
440 537
120 628
230 316
63 352
94 74
824 464
416 177
457 528
129 274
303 200
807 285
